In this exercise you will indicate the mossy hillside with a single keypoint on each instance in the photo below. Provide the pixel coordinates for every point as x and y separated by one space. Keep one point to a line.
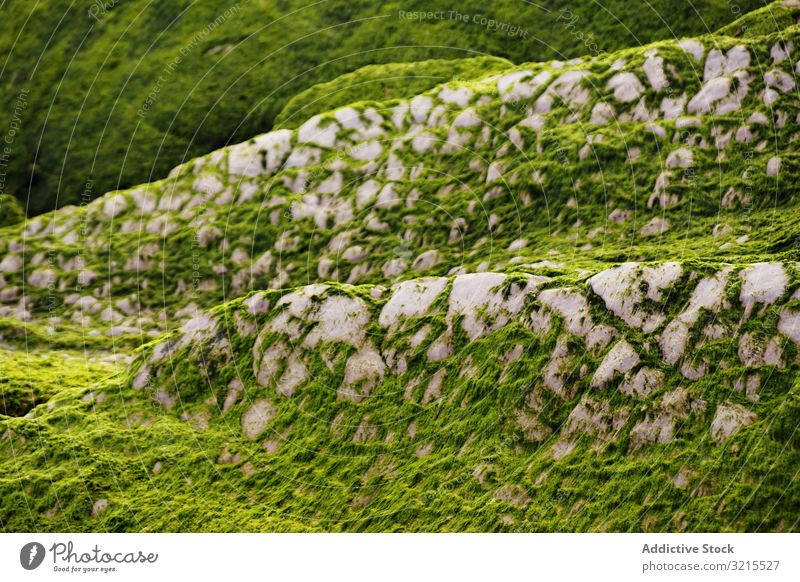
569 389
763 20
382 83
480 454
147 87
31 378
586 164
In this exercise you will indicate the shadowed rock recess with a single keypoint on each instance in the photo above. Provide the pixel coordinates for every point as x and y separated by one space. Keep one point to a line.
560 297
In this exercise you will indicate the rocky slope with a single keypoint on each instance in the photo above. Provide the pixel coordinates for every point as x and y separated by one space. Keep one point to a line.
560 296
107 94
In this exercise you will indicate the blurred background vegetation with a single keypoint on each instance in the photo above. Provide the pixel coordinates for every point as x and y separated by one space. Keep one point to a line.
104 94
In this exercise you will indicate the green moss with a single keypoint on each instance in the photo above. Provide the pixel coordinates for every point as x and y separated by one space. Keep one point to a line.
494 446
144 90
383 83
32 378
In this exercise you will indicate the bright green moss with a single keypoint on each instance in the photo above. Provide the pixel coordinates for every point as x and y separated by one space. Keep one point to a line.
146 88
10 211
495 446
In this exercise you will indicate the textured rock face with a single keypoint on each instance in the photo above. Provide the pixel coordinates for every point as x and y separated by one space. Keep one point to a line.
535 284
634 368
357 195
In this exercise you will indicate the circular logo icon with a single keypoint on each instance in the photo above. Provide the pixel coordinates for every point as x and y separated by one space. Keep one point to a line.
31 555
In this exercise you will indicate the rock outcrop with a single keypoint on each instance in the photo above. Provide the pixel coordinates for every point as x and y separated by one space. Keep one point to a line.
525 301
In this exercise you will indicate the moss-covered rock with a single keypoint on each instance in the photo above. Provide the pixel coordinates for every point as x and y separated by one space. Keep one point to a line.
555 296
145 87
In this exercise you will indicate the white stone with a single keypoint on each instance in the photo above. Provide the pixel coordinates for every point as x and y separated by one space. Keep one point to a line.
568 87
235 388
367 150
654 69
693 47
247 159
387 198
349 118
201 325
433 391
710 93
574 308
620 359
558 367
719 64
114 205
420 107
423 142
773 166
673 341
672 107
318 131
626 87
339 319
209 185
10 264
333 184
42 278
680 158
602 113
257 417
656 226
781 51
394 267
99 507
365 366
762 283
467 118
142 378
478 295
257 303
780 80
728 419
294 375
789 325
426 260
366 193
708 295
456 95
620 289
299 301
645 381
508 80
411 299
495 171
145 200
516 86
266 365
303 156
